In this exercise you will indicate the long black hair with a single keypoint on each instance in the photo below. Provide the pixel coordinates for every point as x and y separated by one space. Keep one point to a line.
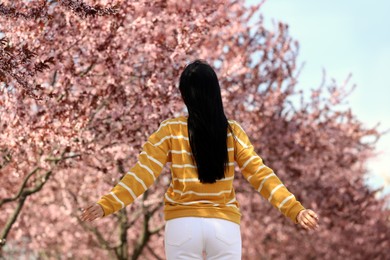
207 123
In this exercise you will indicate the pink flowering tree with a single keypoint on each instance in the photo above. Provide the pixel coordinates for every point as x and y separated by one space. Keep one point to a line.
83 84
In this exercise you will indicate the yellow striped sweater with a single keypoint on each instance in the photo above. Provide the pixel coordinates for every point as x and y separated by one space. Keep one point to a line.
186 196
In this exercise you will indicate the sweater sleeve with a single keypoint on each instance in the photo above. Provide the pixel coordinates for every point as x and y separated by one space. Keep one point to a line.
155 153
262 178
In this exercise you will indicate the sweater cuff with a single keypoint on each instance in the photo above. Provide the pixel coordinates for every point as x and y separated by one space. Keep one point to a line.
294 211
107 209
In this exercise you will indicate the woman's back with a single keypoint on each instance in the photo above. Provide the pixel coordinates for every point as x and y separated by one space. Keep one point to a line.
186 192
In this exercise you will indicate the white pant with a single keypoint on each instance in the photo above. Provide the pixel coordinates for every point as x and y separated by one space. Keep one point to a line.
193 237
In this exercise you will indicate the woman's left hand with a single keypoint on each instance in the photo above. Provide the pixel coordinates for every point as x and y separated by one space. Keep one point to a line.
91 213
308 219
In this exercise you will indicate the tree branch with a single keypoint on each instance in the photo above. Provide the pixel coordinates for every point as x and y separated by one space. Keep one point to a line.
153 253
121 250
19 193
157 229
102 242
24 193
146 232
11 221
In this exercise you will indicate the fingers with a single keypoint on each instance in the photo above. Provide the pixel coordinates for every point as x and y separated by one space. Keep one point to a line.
308 220
90 216
304 225
313 214
86 215
91 213
97 211
90 207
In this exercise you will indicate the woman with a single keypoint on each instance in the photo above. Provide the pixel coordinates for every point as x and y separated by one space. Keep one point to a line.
200 208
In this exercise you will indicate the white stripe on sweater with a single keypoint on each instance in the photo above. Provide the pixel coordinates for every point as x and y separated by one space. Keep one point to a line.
197 180
284 201
189 153
258 169
231 201
168 137
180 152
117 199
192 166
171 123
266 177
234 122
274 190
128 189
242 143
238 139
203 193
148 169
248 161
152 159
183 166
138 179
199 201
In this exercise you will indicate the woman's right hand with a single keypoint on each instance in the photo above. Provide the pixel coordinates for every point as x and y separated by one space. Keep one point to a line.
308 219
93 212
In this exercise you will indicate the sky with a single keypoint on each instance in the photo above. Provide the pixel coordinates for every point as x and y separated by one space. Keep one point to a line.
343 37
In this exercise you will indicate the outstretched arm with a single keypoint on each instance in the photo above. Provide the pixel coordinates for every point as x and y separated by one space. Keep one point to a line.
267 183
154 155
